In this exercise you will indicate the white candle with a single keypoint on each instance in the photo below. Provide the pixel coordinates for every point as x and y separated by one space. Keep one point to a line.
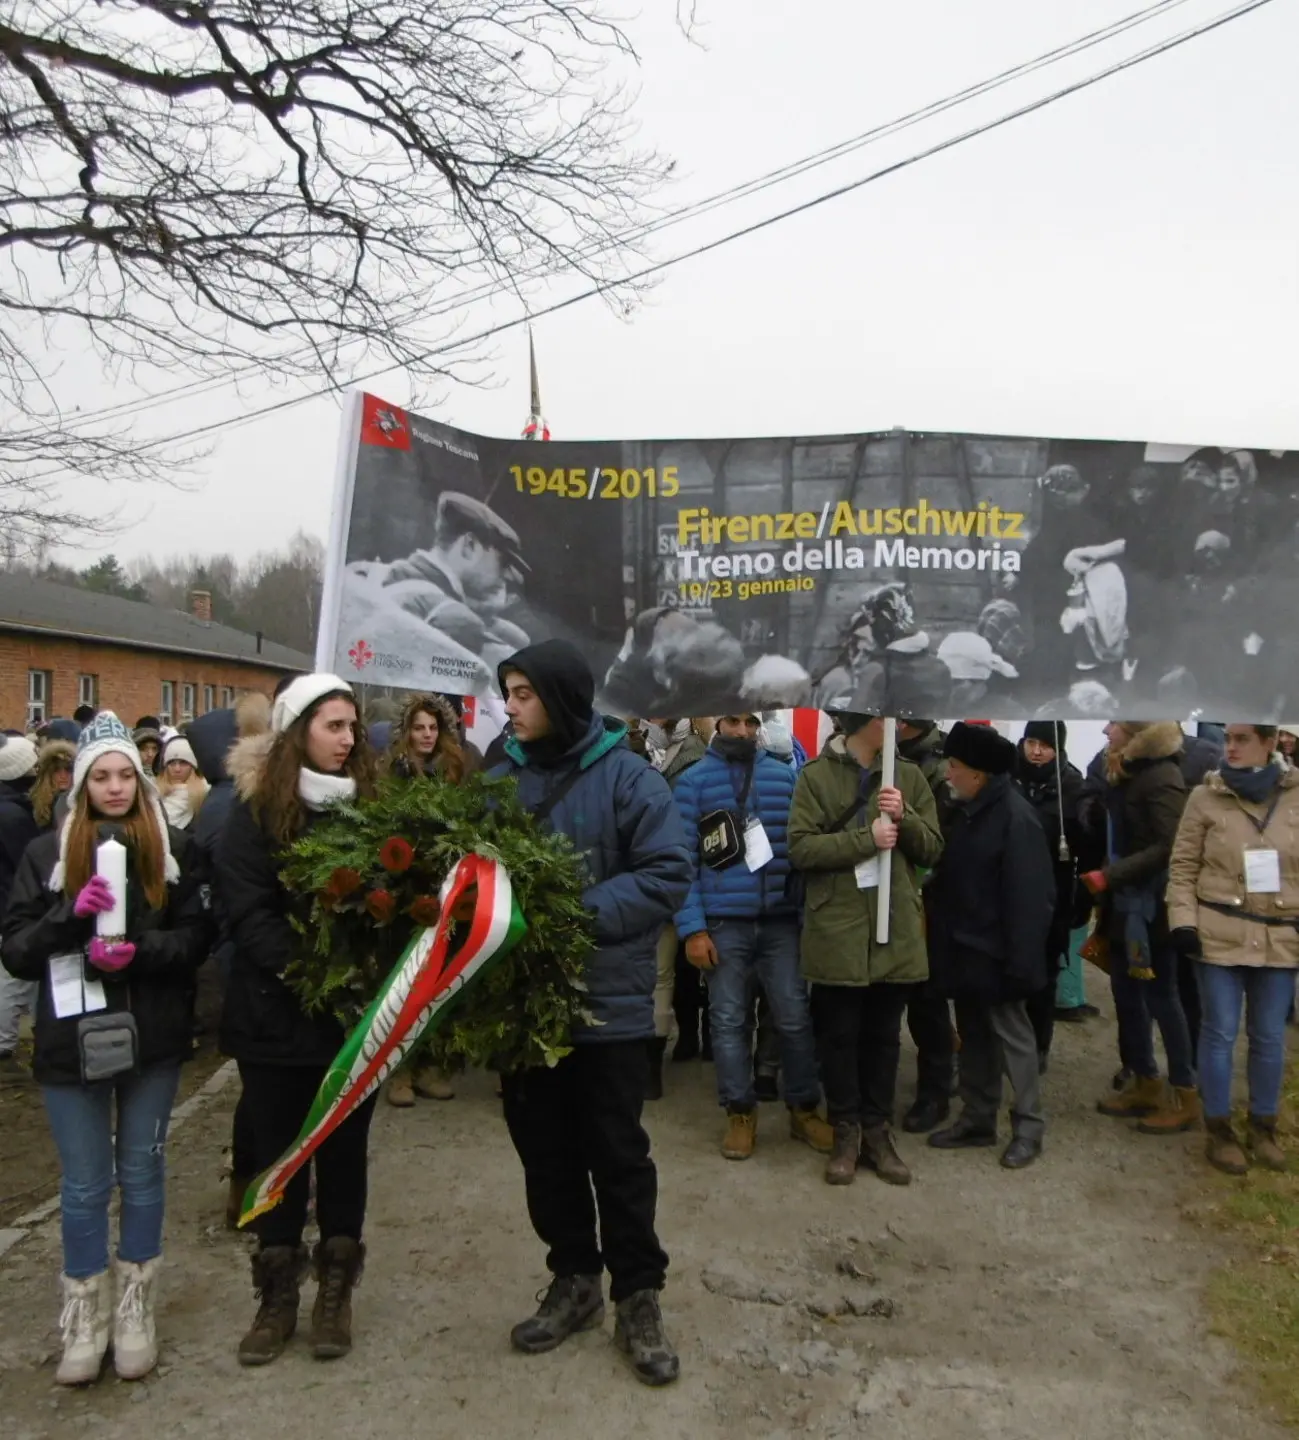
110 865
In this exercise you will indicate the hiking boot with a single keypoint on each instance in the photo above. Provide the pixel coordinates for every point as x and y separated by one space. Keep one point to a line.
654 1086
965 1134
1222 1149
135 1336
433 1084
741 1134
571 1303
807 1126
400 1090
339 1262
1180 1111
928 1113
1262 1143
86 1322
237 1189
841 1168
277 1276
638 1333
878 1153
1140 1095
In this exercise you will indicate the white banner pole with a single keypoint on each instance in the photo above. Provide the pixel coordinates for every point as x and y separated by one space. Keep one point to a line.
331 599
888 773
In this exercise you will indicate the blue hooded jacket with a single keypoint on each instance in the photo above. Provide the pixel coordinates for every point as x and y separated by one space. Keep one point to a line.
619 815
737 893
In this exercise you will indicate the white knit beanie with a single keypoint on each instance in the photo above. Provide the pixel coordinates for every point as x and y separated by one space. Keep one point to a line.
106 735
178 748
18 757
296 699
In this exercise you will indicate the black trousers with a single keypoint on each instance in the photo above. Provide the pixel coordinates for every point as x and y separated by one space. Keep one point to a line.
577 1129
859 1040
689 1001
277 1099
242 1146
929 1018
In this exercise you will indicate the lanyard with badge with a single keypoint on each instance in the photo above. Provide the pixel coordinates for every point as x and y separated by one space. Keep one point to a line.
1263 865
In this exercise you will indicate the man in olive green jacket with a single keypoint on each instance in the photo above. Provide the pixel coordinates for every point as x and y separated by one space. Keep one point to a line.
842 827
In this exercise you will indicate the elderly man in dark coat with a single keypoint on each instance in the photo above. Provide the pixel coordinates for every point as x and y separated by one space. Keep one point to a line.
989 906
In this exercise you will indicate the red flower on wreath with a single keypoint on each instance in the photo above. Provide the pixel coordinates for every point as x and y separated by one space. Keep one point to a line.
396 855
343 882
426 910
381 906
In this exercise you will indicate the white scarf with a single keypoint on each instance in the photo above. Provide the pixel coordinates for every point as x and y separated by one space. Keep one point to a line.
318 791
178 806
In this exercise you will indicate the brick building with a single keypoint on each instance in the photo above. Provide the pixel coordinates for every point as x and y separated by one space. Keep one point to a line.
61 647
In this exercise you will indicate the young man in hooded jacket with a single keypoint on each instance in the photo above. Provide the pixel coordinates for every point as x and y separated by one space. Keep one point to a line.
577 1127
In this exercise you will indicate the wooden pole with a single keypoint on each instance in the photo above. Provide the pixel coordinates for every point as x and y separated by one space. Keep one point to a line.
888 774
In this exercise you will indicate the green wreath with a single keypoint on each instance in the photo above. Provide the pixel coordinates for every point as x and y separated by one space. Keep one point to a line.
366 878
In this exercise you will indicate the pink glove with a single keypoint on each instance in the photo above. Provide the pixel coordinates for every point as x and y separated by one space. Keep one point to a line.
110 955
96 898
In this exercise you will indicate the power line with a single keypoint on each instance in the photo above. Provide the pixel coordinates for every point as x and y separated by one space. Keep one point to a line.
658 267
744 190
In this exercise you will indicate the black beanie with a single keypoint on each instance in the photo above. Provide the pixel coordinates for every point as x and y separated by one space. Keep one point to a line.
981 748
1050 732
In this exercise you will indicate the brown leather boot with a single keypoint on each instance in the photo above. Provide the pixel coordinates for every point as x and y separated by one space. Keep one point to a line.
339 1262
741 1134
1180 1111
400 1090
1262 1143
1141 1095
841 1168
1223 1150
277 1275
878 1153
807 1126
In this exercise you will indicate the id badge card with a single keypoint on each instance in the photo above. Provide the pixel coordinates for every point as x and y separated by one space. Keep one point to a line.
71 994
757 845
1263 872
868 873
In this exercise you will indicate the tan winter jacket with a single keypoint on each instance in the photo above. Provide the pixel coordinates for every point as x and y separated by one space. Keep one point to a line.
1208 864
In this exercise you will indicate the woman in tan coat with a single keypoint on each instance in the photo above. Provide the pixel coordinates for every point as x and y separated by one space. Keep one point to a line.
1233 906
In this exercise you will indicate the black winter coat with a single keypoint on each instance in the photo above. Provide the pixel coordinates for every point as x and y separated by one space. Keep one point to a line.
263 1022
990 900
157 987
18 828
1053 802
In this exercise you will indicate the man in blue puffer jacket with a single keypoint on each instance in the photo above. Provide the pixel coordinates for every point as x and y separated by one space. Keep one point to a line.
578 1126
741 929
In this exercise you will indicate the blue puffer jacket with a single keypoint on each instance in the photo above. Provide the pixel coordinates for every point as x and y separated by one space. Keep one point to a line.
621 817
738 893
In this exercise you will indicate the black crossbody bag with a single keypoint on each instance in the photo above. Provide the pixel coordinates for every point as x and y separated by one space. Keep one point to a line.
721 832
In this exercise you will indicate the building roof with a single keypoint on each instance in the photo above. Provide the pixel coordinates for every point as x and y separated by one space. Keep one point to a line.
39 607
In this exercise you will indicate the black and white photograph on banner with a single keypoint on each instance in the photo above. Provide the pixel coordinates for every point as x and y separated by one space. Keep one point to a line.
921 572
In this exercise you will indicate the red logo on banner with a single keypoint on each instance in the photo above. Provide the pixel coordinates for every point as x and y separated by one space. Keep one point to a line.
469 711
360 654
384 424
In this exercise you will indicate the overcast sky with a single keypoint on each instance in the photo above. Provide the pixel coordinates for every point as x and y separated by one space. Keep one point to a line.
1122 264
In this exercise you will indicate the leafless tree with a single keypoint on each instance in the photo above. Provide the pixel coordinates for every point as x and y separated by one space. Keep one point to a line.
296 185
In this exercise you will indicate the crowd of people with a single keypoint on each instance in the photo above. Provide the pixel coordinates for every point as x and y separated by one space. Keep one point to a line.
735 893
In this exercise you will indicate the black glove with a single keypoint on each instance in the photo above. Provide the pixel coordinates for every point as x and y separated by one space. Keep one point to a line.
1185 941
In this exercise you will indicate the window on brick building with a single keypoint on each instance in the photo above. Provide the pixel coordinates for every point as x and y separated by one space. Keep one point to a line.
209 699
228 696
187 701
167 701
40 686
88 691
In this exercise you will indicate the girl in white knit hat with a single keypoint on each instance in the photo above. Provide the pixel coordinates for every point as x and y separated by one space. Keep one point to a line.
113 1025
180 785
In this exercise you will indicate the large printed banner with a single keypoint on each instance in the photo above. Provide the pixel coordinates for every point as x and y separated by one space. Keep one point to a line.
919 574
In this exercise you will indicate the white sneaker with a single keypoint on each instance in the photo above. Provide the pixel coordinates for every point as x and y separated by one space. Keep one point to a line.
86 1323
135 1339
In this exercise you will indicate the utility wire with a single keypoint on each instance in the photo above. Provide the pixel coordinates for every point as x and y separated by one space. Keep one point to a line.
744 190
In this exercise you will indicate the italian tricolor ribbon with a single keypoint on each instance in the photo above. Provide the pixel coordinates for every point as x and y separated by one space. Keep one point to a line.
414 998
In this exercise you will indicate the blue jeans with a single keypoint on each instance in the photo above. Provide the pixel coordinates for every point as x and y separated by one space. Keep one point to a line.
81 1118
1139 1002
1268 993
749 953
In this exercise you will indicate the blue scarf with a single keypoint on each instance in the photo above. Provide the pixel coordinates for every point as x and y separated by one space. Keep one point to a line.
1255 786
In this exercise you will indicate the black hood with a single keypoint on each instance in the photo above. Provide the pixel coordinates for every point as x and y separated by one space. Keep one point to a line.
211 737
564 684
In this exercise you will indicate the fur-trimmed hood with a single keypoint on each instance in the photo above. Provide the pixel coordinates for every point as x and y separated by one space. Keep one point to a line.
448 720
246 763
1159 740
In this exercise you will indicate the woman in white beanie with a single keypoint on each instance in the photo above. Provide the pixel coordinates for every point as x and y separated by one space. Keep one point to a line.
180 785
315 757
114 1020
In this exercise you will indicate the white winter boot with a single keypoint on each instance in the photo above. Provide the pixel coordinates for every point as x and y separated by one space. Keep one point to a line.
135 1339
86 1323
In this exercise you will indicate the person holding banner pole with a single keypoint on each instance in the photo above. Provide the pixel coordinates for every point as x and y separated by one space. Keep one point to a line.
317 757
844 824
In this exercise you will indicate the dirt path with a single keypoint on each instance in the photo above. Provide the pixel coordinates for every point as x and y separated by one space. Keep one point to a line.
1060 1301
